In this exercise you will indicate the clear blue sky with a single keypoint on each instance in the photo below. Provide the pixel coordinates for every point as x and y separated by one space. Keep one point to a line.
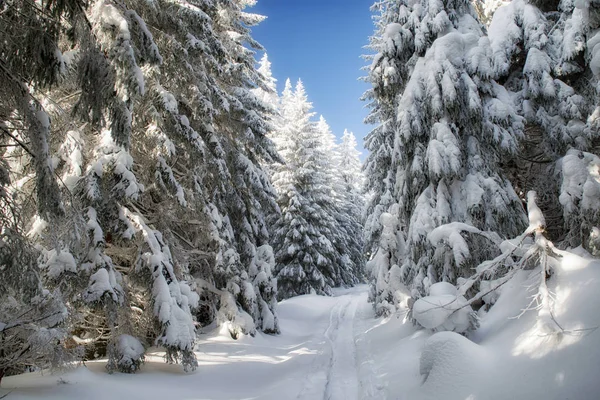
320 41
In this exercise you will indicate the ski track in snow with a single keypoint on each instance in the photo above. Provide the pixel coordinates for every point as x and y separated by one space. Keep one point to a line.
342 374
335 375
370 387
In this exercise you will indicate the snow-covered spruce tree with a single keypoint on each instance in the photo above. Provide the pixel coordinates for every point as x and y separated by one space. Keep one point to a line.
32 318
454 123
224 125
351 167
346 235
270 98
72 251
268 92
393 46
210 131
387 288
155 122
102 82
575 39
261 274
304 253
247 197
349 171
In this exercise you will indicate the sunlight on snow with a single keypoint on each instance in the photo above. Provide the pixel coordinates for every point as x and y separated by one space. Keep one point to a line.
542 340
560 378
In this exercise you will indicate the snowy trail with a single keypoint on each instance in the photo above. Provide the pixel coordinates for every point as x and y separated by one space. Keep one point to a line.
370 387
332 348
314 357
342 376
335 374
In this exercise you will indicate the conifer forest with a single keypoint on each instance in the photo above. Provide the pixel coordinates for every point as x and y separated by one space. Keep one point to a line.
178 220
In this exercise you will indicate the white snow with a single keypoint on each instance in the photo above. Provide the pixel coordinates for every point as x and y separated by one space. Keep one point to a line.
535 215
443 310
169 101
391 30
37 226
130 350
109 155
334 348
104 281
56 262
71 153
594 50
581 181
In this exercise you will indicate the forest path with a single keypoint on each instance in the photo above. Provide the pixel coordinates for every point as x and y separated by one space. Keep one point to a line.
333 374
323 352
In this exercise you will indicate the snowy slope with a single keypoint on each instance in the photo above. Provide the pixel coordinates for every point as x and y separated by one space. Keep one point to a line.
508 357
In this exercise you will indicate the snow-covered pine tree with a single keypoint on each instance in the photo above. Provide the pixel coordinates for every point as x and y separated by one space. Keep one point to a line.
349 171
242 125
304 253
267 93
159 141
279 134
32 318
453 125
269 96
102 83
544 52
32 329
346 235
393 46
261 274
218 126
350 166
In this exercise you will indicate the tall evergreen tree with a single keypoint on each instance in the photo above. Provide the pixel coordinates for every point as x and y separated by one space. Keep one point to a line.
159 142
268 92
351 183
33 331
346 234
305 255
350 165
453 126
393 46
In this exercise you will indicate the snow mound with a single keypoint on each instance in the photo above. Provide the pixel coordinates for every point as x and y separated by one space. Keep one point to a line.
443 310
131 353
449 360
443 288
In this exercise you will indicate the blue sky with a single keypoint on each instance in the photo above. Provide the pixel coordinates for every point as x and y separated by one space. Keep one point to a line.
320 41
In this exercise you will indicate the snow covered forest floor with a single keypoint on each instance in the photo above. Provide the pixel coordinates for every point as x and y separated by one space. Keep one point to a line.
334 348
